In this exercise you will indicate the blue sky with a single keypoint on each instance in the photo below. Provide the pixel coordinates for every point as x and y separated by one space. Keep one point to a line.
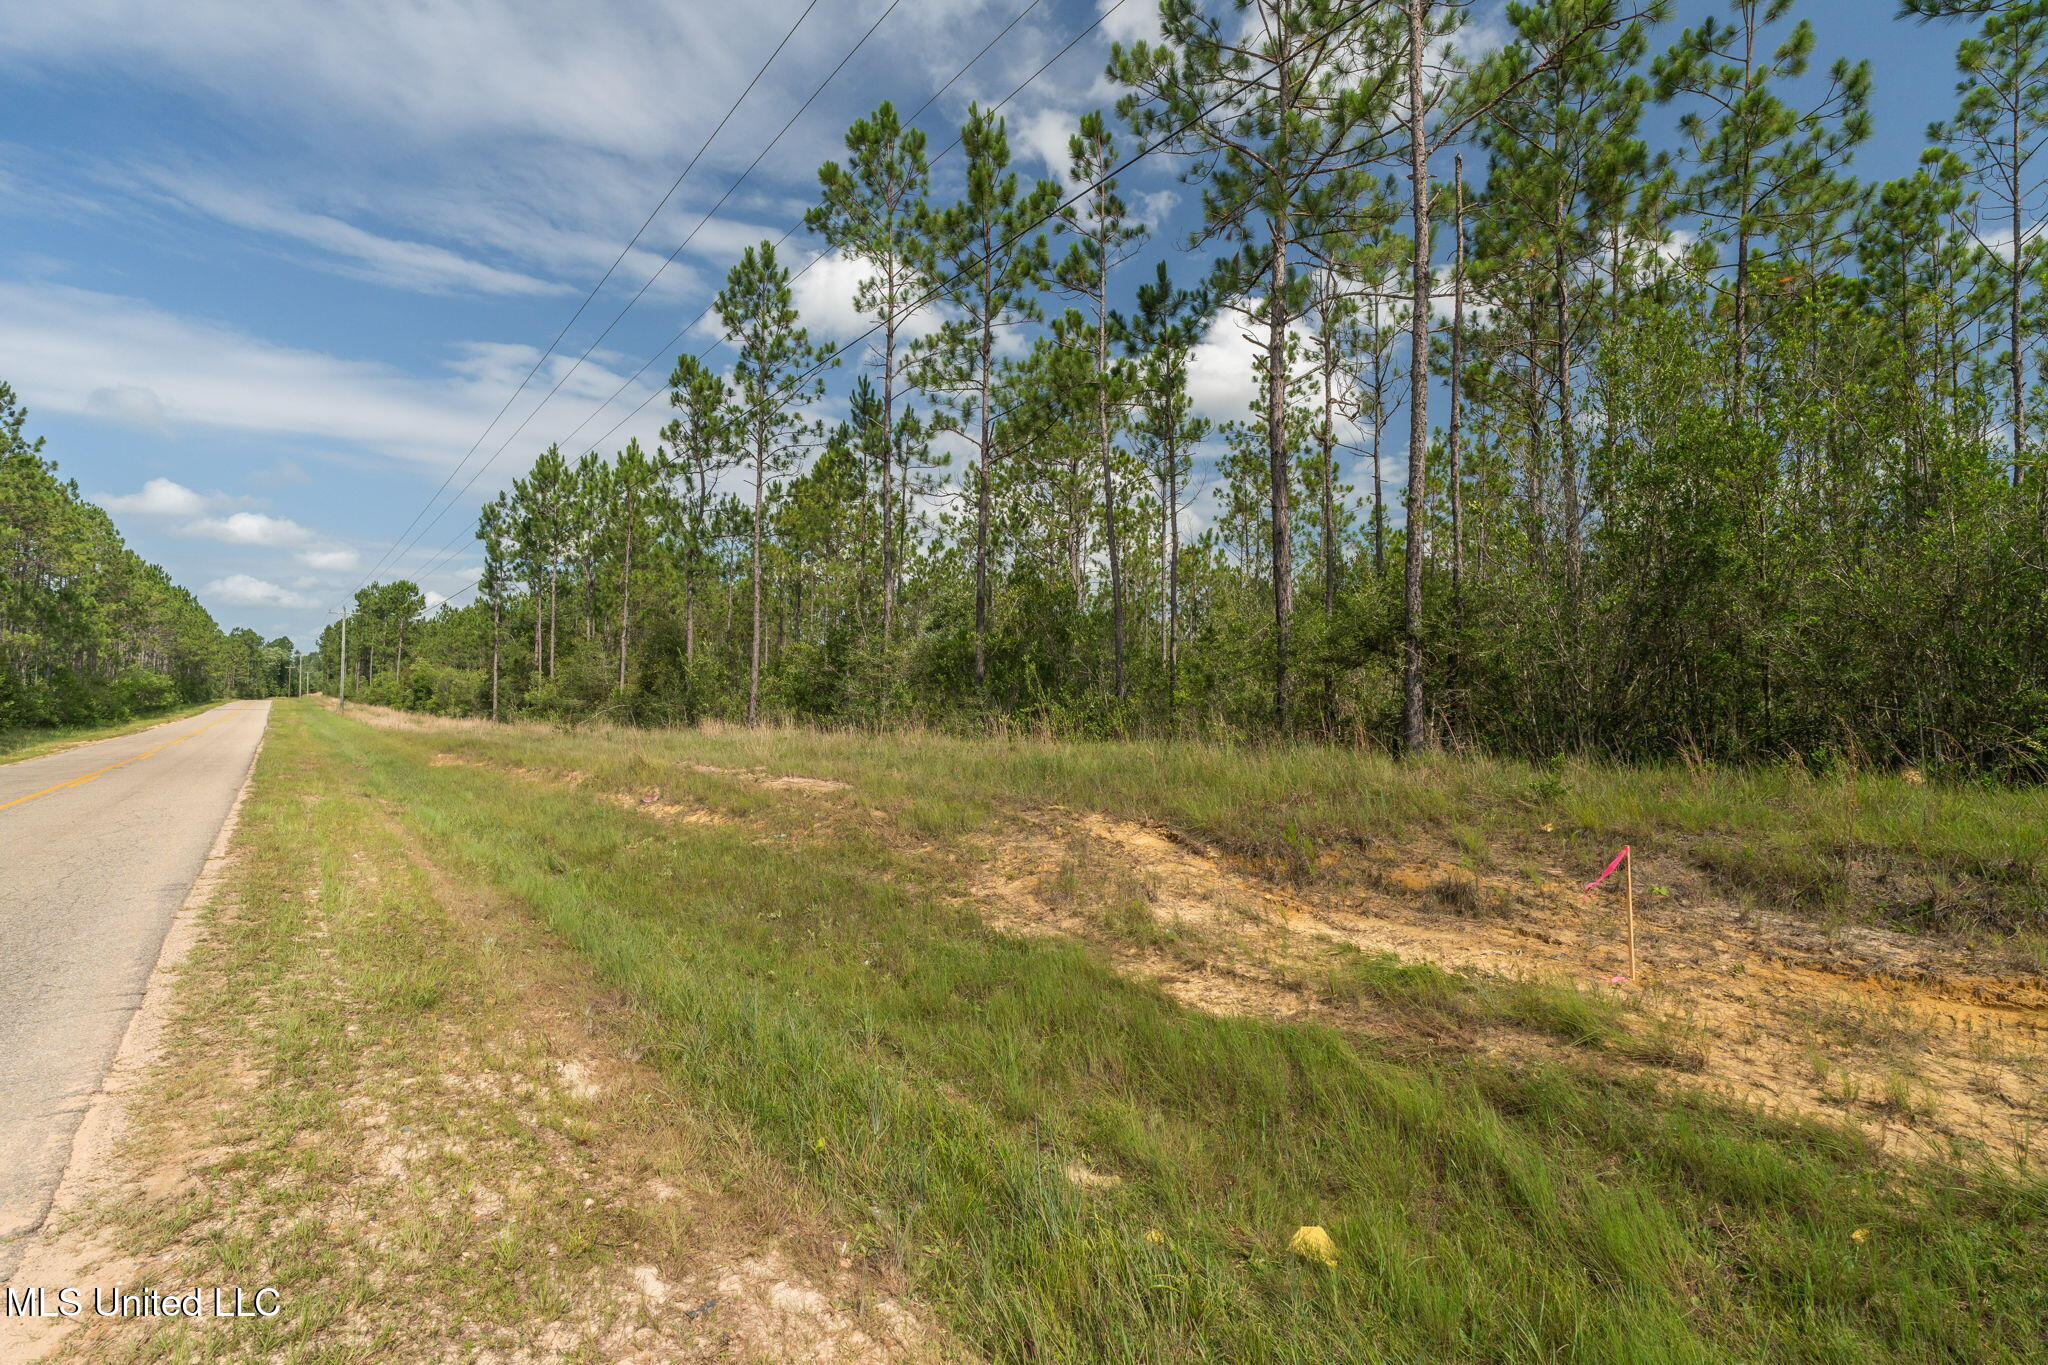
267 271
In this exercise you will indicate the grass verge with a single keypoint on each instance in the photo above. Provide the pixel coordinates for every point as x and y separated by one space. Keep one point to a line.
937 1082
36 740
392 1097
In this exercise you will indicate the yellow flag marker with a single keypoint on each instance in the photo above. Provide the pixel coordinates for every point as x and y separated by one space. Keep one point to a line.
1313 1244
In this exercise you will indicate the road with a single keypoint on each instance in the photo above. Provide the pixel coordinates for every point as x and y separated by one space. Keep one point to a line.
98 847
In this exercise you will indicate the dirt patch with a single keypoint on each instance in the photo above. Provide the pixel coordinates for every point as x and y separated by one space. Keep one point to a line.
1864 1025
763 778
651 804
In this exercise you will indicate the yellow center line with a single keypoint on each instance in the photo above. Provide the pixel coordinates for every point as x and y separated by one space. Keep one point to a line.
84 778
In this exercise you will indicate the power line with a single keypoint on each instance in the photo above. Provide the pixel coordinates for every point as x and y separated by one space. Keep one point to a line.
995 108
447 550
939 288
1111 174
591 295
401 545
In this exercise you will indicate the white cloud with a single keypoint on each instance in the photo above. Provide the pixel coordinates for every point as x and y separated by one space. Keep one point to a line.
1154 206
158 498
248 528
824 301
1132 21
602 74
59 346
128 403
1223 379
355 251
1045 135
335 560
244 590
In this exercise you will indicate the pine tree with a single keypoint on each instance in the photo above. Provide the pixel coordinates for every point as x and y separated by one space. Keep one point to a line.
2001 130
1104 239
990 264
1159 338
776 373
871 212
1283 103
700 444
1767 177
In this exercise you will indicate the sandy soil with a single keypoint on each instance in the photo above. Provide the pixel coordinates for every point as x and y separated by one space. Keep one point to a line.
1860 1024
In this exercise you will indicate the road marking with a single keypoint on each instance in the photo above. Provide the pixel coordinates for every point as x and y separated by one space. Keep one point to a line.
84 778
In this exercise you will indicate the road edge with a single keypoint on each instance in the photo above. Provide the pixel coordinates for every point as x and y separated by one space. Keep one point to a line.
50 1258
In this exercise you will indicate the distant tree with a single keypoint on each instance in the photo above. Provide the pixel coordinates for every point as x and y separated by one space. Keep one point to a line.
1104 238
871 212
774 376
990 262
2000 129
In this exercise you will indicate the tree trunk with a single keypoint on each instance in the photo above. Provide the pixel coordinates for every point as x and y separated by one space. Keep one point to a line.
1452 450
2018 275
497 612
1109 509
626 592
1567 434
981 509
1276 464
888 462
1414 721
754 662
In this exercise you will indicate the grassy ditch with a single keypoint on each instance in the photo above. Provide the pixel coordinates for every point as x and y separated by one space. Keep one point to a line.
939 1084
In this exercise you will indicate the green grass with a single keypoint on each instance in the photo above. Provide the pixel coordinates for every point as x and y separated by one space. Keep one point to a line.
1962 858
36 740
932 1078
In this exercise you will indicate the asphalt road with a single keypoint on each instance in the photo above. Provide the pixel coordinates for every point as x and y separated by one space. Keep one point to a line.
98 847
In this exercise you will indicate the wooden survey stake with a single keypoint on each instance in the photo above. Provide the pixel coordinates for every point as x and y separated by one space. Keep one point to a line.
1625 861
1628 883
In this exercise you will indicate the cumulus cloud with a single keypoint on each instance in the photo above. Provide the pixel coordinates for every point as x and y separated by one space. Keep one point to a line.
824 300
201 516
158 498
245 590
249 528
335 560
1044 135
1132 21
1223 379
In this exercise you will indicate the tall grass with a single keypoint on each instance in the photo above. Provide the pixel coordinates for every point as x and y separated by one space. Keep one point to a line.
934 1079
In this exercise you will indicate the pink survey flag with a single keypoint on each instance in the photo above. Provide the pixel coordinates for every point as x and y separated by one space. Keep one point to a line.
1619 858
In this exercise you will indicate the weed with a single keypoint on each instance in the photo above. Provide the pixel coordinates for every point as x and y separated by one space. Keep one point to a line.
1456 895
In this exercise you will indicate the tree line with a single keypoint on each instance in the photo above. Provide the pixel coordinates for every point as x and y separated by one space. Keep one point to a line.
1561 442
89 631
